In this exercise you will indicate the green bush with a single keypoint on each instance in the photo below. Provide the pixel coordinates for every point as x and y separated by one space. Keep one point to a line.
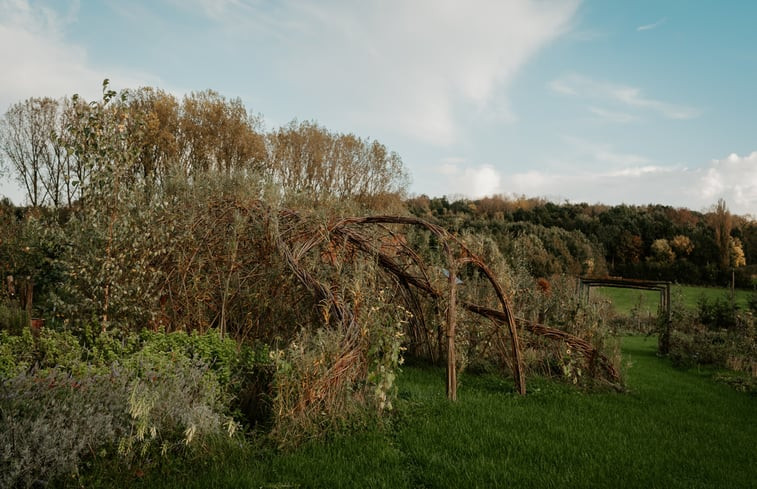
719 313
16 353
129 399
52 420
704 348
752 301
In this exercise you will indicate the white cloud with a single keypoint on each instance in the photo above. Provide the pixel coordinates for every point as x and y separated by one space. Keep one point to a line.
604 155
471 181
481 181
37 59
624 95
654 25
410 67
639 171
612 116
733 178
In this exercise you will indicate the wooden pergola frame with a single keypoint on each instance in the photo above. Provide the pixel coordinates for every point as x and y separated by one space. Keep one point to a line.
663 287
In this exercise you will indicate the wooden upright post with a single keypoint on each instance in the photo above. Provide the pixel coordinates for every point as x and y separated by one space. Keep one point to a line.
451 326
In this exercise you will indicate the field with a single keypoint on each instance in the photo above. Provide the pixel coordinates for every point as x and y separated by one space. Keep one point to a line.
672 429
624 300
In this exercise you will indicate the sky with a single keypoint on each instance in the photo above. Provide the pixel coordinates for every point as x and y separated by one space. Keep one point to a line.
597 101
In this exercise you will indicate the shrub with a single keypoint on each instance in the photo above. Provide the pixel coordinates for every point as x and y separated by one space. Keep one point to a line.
172 402
704 348
752 301
720 313
16 353
51 420
152 399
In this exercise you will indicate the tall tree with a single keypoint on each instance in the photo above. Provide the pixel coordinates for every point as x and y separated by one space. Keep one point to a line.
153 124
27 141
218 134
305 157
722 223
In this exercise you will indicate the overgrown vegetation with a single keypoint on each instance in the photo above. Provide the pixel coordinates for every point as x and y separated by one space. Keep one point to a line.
186 283
65 400
718 333
676 428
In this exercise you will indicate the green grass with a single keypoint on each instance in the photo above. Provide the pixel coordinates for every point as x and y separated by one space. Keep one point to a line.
624 300
673 429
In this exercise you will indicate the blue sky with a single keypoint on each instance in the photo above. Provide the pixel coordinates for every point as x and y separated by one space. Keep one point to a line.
587 101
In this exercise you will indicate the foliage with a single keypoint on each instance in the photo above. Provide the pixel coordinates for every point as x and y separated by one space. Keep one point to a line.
52 420
173 401
335 377
554 437
306 158
13 319
622 236
132 400
716 334
719 313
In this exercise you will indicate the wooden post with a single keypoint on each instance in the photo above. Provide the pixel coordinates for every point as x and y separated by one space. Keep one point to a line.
666 310
451 325
27 297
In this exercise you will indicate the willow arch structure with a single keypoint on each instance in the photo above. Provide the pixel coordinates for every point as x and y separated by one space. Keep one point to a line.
585 284
376 237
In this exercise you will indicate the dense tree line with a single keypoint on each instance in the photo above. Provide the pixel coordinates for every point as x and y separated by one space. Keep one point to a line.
652 242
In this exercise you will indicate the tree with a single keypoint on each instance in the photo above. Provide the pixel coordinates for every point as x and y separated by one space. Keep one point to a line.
736 253
307 158
113 208
682 245
74 172
662 252
721 222
218 134
154 118
629 249
31 151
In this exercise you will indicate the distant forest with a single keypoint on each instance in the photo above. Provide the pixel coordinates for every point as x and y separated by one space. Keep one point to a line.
653 242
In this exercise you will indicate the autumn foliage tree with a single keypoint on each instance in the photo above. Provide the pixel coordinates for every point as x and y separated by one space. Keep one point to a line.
307 158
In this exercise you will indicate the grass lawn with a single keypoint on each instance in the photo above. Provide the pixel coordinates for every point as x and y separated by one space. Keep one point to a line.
626 299
673 429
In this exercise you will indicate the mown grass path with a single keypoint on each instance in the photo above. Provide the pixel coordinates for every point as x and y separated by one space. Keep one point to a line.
673 429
